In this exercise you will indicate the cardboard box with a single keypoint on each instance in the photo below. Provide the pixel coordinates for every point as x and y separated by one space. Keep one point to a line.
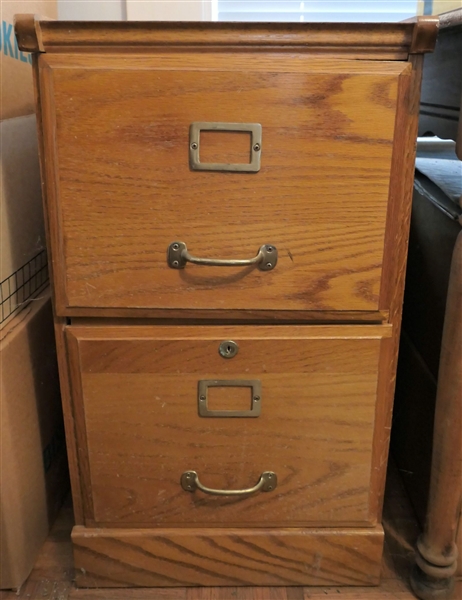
23 259
33 462
17 92
22 230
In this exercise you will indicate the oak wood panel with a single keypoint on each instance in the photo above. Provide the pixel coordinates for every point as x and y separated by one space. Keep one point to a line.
327 142
69 421
52 577
43 171
337 157
273 61
50 175
74 380
425 34
383 41
282 332
59 324
390 590
401 186
396 245
138 391
458 573
59 327
214 557
197 593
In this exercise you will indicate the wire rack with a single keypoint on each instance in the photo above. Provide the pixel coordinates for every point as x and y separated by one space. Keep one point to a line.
23 284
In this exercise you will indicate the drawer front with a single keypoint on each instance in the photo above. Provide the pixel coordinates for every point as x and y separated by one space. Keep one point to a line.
121 188
137 393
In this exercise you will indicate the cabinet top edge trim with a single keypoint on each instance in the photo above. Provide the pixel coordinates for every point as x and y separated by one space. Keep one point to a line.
380 40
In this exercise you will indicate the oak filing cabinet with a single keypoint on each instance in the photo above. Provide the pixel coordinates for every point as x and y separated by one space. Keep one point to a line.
228 210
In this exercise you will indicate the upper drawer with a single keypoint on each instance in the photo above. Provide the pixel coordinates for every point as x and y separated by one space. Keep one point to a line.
121 188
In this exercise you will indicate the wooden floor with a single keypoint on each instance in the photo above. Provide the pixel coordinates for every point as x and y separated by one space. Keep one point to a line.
52 577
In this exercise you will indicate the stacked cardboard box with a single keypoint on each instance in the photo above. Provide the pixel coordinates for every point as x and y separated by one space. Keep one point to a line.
33 471
33 463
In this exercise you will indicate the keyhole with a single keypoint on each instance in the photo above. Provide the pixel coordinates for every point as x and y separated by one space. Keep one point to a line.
228 349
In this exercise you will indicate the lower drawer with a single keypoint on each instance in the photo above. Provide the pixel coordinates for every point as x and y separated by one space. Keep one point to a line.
230 404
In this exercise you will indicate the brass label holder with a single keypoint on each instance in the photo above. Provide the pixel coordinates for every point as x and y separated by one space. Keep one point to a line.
255 147
202 397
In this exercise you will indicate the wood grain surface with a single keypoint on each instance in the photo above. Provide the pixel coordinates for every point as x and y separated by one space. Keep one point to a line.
332 194
458 573
395 257
215 557
69 421
52 577
380 41
327 144
136 391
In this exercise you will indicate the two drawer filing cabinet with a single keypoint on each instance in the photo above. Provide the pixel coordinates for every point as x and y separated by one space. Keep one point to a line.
227 209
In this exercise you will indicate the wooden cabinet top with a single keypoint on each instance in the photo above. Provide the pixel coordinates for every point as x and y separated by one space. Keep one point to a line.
381 41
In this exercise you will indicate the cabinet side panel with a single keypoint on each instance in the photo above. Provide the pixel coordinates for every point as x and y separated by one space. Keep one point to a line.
69 421
78 421
400 192
394 266
50 175
43 162
66 398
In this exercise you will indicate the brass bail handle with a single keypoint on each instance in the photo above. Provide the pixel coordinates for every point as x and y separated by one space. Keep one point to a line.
267 483
178 255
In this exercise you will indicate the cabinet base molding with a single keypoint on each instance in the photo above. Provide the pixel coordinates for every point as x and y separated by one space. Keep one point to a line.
226 557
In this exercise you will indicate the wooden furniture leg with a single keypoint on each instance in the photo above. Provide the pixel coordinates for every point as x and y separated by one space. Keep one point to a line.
436 556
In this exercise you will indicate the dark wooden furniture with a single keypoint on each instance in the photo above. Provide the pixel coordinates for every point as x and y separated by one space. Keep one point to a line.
436 557
427 425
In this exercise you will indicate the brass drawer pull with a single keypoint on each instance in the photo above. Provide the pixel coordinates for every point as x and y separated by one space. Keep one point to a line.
178 256
267 483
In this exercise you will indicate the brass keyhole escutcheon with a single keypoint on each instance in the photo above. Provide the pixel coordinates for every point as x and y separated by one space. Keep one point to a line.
228 349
